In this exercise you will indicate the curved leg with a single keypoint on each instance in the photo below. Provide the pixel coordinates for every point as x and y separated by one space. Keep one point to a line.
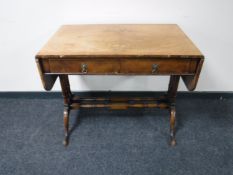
66 125
172 125
171 95
67 101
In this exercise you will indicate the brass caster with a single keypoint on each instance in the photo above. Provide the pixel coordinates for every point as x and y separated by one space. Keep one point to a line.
173 142
65 142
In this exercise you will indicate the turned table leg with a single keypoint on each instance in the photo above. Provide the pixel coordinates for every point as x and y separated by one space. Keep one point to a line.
171 94
66 125
67 95
172 125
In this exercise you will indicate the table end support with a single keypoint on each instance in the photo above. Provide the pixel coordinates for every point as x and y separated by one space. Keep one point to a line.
171 95
66 125
172 125
67 95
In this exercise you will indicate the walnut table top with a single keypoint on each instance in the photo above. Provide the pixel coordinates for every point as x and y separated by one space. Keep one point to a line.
163 40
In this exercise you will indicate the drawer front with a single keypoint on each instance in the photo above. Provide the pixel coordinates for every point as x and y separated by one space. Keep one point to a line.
164 66
126 66
84 66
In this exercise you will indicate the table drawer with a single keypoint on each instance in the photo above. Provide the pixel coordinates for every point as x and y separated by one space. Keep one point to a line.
158 66
84 66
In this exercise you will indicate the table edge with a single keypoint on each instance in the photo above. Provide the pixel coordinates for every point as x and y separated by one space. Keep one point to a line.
38 56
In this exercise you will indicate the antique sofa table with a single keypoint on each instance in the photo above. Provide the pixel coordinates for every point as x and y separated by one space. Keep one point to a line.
149 49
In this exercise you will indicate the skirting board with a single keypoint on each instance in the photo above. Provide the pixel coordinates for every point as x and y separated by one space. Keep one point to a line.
55 94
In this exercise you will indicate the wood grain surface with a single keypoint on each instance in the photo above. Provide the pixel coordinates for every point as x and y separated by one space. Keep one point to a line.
159 40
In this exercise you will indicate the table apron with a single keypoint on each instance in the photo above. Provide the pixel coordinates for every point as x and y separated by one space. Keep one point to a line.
169 66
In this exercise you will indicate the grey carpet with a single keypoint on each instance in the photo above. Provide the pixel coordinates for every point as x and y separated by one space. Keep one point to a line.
106 142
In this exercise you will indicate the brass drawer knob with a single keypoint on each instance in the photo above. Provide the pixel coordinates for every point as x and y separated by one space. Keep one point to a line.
84 68
154 68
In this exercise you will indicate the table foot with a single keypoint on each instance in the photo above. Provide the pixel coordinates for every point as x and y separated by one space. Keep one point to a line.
173 142
66 141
